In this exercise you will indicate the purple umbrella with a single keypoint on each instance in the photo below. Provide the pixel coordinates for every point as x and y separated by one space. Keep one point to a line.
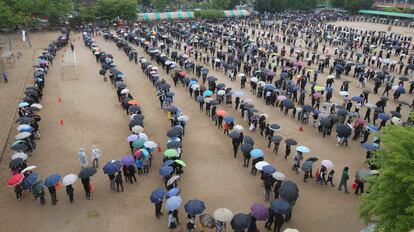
132 138
259 212
127 160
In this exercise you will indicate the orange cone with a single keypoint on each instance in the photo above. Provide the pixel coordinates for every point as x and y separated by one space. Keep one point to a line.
301 128
61 122
159 148
59 99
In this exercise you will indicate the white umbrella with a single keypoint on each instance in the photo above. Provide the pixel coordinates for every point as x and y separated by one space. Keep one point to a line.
183 118
221 92
261 83
20 155
241 75
238 128
238 94
223 215
279 176
69 179
259 165
28 169
23 126
143 136
327 163
248 100
22 135
124 91
369 105
265 115
343 93
172 180
254 79
150 144
137 129
36 105
195 86
290 230
302 149
330 77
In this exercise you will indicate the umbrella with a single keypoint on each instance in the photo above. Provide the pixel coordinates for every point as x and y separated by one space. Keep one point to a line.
166 170
183 118
287 103
194 207
15 180
23 104
343 93
132 138
15 162
221 113
256 153
137 129
30 180
180 162
87 172
207 93
52 180
69 179
373 128
277 138
291 142
22 135
259 165
302 149
248 139
241 221
37 188
168 163
28 169
280 206
173 132
157 195
223 215
127 160
289 191
234 134
238 94
173 192
200 99
383 116
269 169
279 176
307 165
138 143
357 99
342 112
238 128
259 212
307 108
246 148
172 179
173 203
112 167
369 146
207 221
174 144
228 119
274 127
327 163
19 155
170 153
150 144
343 130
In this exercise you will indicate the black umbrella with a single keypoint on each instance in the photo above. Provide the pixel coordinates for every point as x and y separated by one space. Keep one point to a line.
395 114
274 127
165 86
212 78
343 130
289 191
325 122
134 109
174 144
200 99
291 142
287 103
19 147
173 132
25 120
313 159
241 222
307 108
342 112
249 106
234 134
120 85
404 78
16 162
277 138
280 206
213 102
87 172
135 122
248 139
246 148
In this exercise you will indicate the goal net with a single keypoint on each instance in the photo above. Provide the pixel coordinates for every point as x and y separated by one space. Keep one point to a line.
69 68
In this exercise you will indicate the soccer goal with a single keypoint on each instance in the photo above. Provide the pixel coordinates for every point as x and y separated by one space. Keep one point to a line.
69 68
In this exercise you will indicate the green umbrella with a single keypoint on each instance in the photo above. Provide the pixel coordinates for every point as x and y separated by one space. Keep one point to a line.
180 162
37 188
138 143
170 153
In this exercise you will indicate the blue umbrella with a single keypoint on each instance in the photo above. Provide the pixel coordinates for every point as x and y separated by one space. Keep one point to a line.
112 167
373 128
369 146
207 93
23 104
220 86
170 94
30 180
280 206
168 100
307 166
357 99
194 207
127 160
269 169
173 192
383 116
228 119
173 203
192 82
157 195
329 89
168 163
52 180
256 153
27 129
269 87
166 170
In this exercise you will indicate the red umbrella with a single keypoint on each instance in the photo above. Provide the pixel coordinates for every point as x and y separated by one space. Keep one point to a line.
361 121
317 95
15 180
221 113
133 102
182 73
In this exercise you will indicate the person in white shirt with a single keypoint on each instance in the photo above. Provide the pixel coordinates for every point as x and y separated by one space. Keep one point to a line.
96 153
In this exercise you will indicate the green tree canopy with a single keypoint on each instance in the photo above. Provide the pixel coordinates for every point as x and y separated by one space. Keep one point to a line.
160 5
283 5
110 9
390 196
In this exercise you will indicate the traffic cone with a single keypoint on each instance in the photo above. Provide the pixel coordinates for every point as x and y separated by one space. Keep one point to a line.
59 100
61 122
159 148
301 128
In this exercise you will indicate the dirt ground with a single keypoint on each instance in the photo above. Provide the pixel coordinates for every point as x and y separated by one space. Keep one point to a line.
92 115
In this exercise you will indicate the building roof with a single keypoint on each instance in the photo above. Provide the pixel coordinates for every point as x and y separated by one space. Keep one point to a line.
386 13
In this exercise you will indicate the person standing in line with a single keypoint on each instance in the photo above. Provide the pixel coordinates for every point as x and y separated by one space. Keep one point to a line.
69 191
5 77
52 191
131 171
119 181
86 182
18 190
158 206
330 178
96 153
344 180
112 182
82 158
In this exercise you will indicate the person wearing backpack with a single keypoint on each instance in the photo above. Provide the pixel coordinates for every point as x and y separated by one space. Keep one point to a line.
119 181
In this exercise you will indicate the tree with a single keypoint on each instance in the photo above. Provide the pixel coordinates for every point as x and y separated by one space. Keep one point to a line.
160 5
126 9
220 4
110 9
338 3
5 15
86 14
263 5
390 196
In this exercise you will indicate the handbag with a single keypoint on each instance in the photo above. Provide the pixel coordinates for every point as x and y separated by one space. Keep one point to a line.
354 185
